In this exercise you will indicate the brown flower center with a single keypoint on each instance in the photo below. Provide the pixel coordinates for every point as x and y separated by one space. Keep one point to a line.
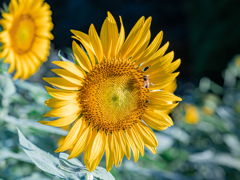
113 95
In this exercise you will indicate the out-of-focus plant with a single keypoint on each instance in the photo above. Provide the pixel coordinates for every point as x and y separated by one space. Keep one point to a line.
213 147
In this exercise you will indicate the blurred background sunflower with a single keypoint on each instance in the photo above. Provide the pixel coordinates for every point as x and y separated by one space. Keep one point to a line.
25 36
204 142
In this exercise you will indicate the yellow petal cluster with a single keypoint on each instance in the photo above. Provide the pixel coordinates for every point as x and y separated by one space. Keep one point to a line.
113 94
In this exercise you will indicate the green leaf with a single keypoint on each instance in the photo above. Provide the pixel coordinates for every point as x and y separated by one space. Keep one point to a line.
63 58
35 176
31 124
70 165
7 87
101 173
42 159
74 165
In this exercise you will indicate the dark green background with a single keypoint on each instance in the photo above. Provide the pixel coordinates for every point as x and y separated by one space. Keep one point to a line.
205 34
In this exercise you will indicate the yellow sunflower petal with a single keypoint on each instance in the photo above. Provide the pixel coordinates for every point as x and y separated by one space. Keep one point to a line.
71 137
113 31
160 115
10 59
157 120
7 16
96 43
146 134
5 23
106 39
136 139
116 148
163 95
5 38
163 62
55 103
172 67
109 155
152 48
71 67
98 146
13 5
62 83
91 56
63 111
32 65
122 149
68 76
126 144
62 94
87 45
152 149
121 38
95 150
84 38
153 123
63 121
81 57
141 50
156 57
129 43
82 142
18 68
163 81
26 68
139 42
133 146
159 106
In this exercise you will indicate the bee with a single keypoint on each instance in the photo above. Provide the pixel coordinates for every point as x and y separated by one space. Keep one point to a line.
146 82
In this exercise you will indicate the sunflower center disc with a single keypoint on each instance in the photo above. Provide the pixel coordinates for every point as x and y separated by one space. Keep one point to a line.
113 96
22 33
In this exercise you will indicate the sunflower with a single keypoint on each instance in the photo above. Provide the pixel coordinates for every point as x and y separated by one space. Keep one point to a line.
108 94
26 36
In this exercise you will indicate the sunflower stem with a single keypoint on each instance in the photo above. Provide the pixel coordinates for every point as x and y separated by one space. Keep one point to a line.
89 176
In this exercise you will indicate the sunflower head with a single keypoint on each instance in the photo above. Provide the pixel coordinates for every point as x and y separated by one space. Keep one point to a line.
26 36
113 94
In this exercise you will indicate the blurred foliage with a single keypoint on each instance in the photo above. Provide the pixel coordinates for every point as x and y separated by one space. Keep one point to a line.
61 168
22 105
